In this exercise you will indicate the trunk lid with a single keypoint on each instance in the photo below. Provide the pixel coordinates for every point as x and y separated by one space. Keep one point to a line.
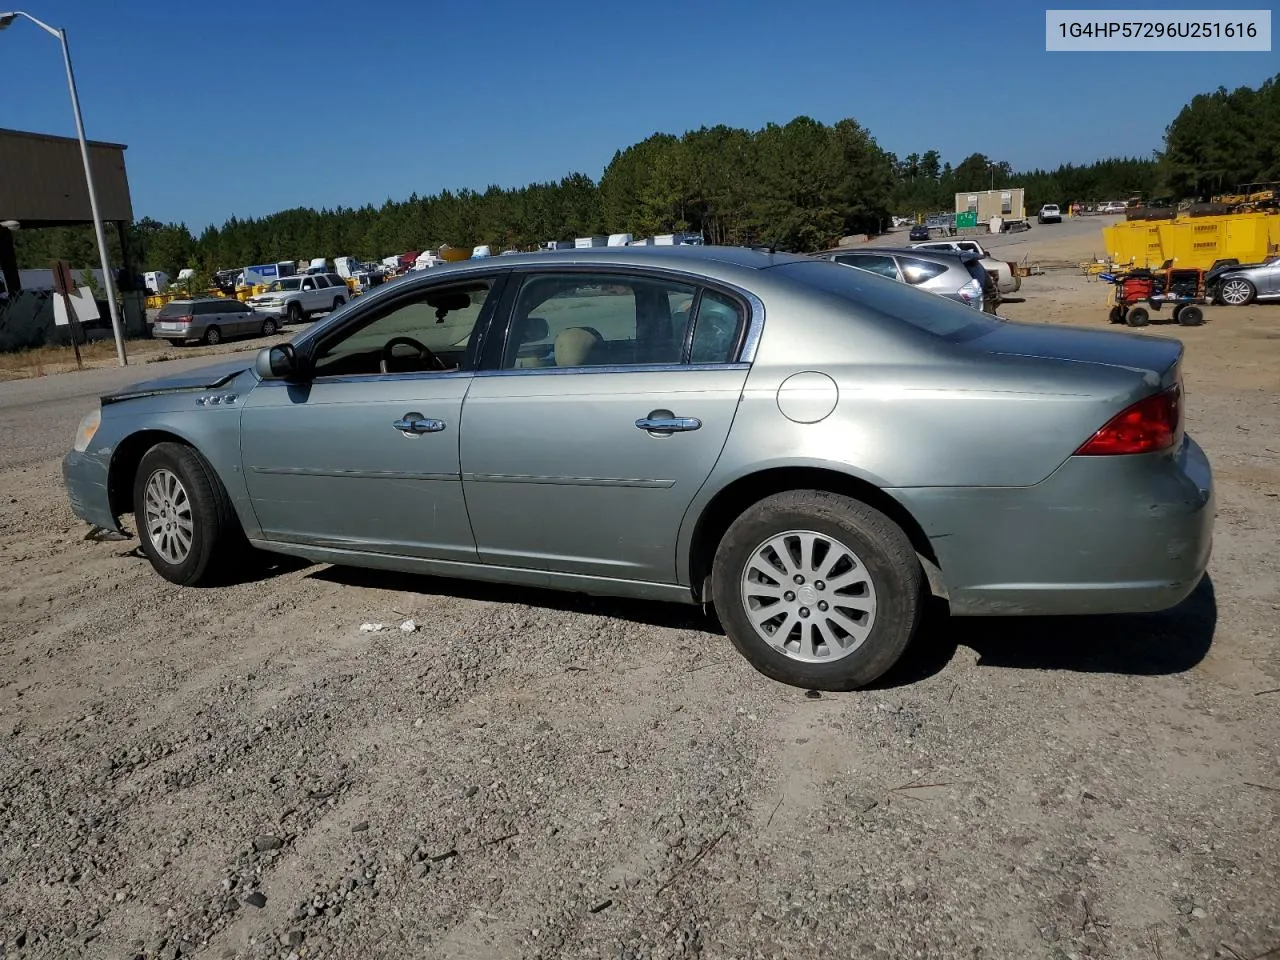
1155 359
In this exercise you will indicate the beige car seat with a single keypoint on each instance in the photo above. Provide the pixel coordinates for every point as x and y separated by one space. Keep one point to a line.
574 346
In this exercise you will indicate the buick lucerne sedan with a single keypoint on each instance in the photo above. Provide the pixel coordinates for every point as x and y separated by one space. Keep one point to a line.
809 449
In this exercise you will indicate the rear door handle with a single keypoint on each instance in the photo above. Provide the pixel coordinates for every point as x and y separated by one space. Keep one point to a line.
664 422
414 424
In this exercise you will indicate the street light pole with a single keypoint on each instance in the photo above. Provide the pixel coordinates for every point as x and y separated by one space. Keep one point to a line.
5 20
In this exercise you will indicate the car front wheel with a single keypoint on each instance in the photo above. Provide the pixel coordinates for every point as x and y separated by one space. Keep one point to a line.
184 516
818 590
1236 293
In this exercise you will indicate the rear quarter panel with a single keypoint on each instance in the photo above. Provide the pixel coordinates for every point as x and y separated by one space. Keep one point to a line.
909 412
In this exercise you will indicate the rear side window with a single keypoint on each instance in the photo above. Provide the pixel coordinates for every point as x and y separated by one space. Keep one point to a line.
938 316
875 263
715 329
918 271
206 307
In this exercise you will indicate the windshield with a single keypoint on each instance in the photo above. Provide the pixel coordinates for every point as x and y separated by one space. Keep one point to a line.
288 283
900 302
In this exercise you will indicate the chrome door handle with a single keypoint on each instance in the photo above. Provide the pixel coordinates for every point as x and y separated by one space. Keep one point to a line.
665 422
413 424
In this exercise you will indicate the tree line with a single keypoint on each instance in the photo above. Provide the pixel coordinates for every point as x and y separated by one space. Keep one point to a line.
800 185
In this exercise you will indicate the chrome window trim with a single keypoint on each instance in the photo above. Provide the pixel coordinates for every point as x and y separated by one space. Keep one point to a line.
617 368
376 378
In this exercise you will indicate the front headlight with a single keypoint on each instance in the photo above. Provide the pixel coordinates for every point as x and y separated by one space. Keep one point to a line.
88 427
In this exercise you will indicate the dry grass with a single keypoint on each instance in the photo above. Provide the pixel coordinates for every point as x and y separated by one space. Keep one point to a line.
44 361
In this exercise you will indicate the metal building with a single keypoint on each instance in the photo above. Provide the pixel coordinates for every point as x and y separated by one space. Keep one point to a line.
42 184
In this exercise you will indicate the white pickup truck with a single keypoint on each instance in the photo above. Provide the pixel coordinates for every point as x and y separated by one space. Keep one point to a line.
294 299
1006 272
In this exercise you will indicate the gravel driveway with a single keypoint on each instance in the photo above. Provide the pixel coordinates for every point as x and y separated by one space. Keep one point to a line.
244 772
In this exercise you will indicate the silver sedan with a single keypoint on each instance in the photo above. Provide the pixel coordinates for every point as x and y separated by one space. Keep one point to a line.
812 450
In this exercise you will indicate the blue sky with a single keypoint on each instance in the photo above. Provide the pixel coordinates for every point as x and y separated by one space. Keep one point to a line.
246 108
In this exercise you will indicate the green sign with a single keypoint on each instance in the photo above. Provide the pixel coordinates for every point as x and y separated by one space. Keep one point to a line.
967 219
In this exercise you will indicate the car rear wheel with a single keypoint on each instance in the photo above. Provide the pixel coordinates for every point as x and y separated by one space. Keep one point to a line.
268 327
213 336
817 590
1237 293
184 516
338 302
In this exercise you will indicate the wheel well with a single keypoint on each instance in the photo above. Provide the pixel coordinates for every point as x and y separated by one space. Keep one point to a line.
124 466
730 502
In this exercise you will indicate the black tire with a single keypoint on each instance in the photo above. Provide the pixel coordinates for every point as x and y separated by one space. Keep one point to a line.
338 302
213 336
294 313
269 327
1190 316
1116 315
215 530
886 554
1137 317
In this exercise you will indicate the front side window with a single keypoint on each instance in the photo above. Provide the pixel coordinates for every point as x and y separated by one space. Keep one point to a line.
428 332
308 284
587 320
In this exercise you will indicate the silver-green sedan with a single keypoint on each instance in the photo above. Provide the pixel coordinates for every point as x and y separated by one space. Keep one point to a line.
811 449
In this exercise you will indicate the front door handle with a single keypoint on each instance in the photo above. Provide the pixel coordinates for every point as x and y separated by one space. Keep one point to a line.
414 424
665 423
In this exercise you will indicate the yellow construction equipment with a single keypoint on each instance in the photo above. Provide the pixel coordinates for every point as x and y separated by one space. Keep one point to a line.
1194 242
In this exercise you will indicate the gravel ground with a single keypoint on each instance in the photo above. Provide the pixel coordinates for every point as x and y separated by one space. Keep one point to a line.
243 772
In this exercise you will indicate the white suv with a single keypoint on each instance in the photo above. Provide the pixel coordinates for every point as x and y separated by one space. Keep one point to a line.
295 299
1050 213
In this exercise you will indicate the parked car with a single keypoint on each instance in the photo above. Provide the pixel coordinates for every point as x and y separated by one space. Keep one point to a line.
295 299
1050 213
1005 271
919 232
210 320
1114 206
809 448
1242 283
956 275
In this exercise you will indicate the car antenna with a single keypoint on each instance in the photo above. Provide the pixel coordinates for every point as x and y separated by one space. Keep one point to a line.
773 244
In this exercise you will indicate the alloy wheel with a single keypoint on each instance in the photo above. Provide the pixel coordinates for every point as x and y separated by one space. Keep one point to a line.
167 511
809 596
1236 292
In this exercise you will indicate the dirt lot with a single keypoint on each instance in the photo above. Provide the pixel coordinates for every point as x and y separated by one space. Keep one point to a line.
242 772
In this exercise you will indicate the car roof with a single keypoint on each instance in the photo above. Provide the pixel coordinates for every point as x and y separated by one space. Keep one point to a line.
676 257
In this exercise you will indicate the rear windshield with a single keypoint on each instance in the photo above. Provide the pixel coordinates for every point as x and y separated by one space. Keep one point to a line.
174 309
939 316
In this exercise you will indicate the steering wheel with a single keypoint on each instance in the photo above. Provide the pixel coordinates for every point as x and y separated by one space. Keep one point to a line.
424 353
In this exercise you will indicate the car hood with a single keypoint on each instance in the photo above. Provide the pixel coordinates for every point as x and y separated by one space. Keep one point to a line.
1152 357
204 378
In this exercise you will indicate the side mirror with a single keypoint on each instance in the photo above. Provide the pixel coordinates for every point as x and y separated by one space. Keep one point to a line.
277 363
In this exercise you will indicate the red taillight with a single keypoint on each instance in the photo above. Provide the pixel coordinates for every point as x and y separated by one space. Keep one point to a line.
186 320
1148 426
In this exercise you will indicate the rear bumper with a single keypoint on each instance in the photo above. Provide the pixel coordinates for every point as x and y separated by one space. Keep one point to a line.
1101 535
